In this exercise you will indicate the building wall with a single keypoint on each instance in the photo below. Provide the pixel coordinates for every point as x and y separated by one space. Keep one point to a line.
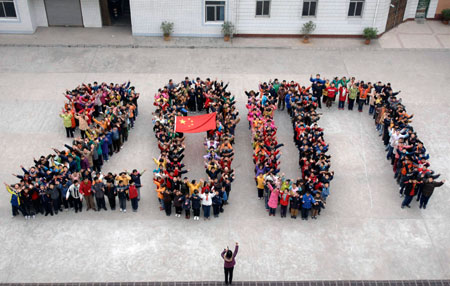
92 17
285 17
23 24
442 4
331 17
187 16
37 8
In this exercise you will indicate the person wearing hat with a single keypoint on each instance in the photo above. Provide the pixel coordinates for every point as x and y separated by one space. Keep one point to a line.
229 263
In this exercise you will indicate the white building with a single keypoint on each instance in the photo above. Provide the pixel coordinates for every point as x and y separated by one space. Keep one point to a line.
203 18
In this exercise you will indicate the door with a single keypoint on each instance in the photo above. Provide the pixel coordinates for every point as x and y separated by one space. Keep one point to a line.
422 8
396 13
64 12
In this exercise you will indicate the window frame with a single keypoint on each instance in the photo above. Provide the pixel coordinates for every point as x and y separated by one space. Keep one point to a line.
262 8
205 11
8 18
363 2
309 8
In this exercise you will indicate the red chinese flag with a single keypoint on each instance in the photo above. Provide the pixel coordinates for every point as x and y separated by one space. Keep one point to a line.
195 124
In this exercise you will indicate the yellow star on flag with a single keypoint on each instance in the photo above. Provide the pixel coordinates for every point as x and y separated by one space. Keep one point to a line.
182 121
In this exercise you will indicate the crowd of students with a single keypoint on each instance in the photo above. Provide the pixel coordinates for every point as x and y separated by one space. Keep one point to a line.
63 180
172 187
405 150
307 194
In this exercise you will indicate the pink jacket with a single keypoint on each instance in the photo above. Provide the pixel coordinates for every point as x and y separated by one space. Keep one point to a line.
273 199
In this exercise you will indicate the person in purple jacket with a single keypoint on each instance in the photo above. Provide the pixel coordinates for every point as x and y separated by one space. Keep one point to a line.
229 262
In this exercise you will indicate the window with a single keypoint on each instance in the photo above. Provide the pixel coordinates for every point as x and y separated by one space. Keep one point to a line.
7 9
262 7
215 11
355 8
309 8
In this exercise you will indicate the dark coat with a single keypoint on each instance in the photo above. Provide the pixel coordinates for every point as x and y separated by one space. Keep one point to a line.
428 188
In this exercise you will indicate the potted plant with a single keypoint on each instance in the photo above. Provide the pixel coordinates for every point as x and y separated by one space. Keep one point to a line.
445 16
307 29
167 29
370 33
227 30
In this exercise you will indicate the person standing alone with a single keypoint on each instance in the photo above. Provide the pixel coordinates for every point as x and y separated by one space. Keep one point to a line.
229 262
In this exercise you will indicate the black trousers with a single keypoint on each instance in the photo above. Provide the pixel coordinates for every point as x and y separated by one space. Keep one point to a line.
112 202
56 205
228 275
77 205
351 102
196 212
69 132
168 208
305 213
216 209
116 144
48 205
260 193
101 203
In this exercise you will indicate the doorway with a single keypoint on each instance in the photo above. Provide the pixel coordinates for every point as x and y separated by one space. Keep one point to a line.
396 13
120 12
422 9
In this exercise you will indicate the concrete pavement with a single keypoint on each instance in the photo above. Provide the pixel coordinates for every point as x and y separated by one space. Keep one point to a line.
363 233
429 35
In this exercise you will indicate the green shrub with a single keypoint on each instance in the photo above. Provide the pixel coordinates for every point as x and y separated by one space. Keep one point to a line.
308 28
446 14
227 28
167 28
370 33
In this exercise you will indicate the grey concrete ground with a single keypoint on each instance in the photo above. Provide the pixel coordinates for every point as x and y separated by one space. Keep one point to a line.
363 233
429 35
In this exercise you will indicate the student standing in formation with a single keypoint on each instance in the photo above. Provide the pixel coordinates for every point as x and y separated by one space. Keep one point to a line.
229 263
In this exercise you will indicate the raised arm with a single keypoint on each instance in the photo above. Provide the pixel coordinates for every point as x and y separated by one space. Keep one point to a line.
236 249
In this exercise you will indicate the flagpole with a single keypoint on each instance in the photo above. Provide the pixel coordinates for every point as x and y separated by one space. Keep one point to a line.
175 130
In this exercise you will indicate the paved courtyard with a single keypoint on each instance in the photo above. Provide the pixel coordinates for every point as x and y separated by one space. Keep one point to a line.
363 233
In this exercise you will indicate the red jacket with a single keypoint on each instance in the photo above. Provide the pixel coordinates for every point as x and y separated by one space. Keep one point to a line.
331 92
343 91
133 193
85 188
284 199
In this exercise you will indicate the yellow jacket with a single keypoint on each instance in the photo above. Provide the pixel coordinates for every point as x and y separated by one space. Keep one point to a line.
193 187
13 193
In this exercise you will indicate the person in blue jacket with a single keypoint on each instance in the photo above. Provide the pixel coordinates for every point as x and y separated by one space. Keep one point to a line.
307 202
287 99
105 147
317 79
